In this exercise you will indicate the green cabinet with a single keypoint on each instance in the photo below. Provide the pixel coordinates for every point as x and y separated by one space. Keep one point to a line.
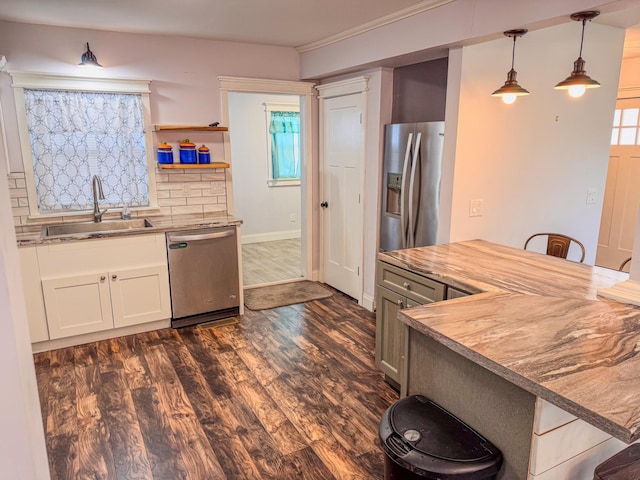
397 289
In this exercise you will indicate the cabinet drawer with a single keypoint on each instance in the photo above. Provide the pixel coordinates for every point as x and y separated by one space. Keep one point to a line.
412 286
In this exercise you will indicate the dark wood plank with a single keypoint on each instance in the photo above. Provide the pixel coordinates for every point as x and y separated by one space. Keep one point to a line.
191 442
287 393
125 437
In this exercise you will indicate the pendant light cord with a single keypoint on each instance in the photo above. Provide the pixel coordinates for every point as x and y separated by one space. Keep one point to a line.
513 51
584 21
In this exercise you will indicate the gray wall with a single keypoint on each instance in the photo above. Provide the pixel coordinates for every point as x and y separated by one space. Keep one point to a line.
419 92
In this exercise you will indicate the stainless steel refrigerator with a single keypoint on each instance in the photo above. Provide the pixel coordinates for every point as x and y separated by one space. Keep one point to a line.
411 185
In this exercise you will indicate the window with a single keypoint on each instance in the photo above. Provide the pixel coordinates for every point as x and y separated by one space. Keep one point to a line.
74 129
283 127
626 124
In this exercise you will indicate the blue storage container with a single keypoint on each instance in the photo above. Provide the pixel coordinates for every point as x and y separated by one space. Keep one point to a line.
165 153
188 152
204 155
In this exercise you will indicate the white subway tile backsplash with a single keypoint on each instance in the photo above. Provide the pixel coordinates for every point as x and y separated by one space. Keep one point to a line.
186 210
185 177
214 208
179 192
202 200
171 202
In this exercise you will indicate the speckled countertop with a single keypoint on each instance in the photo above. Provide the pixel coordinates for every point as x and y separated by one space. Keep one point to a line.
536 321
160 224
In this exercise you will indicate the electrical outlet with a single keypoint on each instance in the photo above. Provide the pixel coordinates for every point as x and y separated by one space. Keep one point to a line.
475 208
592 195
186 189
292 217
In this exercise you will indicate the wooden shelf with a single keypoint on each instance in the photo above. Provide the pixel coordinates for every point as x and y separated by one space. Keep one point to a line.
180 166
192 128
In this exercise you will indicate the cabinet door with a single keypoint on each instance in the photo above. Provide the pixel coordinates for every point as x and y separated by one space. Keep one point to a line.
140 295
389 332
78 304
33 294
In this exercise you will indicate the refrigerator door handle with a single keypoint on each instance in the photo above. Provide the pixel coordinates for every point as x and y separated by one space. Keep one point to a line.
404 221
414 192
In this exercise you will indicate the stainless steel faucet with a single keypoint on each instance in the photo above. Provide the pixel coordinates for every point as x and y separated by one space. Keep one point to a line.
96 184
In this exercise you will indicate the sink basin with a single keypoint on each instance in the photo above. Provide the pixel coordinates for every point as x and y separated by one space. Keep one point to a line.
92 227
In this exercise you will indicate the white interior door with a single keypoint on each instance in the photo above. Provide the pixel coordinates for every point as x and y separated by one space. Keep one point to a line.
622 196
342 181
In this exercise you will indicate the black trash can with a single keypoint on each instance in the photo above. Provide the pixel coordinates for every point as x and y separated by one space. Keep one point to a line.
624 465
423 440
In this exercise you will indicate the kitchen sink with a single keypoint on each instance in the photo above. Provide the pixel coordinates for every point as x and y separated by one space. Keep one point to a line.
93 227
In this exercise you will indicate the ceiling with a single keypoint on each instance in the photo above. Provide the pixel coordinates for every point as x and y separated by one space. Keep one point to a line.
289 23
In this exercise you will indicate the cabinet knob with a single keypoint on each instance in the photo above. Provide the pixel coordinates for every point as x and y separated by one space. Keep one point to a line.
103 278
114 276
400 303
407 285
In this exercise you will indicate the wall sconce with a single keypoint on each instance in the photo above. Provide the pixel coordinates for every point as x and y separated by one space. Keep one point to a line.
510 90
89 59
579 81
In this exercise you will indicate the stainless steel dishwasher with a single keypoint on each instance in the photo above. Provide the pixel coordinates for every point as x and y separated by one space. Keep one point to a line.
203 275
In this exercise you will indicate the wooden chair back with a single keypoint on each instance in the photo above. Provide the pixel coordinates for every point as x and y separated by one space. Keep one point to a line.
624 264
558 244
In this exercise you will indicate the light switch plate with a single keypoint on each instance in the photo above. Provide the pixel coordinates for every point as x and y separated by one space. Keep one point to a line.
475 208
592 195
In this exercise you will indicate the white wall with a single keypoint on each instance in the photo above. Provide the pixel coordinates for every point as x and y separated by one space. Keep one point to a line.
265 210
183 71
22 447
532 162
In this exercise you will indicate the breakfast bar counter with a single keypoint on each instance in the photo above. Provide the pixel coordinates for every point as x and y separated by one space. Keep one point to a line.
533 356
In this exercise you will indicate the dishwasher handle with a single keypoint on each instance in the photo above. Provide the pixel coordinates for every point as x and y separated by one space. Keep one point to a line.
200 236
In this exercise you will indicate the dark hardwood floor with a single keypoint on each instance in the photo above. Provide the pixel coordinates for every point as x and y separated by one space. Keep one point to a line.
287 393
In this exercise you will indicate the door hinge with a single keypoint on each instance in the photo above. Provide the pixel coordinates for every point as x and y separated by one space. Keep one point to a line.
359 198
358 271
360 119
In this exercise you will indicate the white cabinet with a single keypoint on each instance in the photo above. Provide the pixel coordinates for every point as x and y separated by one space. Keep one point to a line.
78 304
95 285
33 294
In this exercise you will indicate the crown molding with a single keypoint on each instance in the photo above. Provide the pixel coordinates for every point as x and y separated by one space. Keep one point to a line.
377 23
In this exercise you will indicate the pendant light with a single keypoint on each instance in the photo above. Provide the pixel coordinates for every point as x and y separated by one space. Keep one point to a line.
510 90
89 59
579 81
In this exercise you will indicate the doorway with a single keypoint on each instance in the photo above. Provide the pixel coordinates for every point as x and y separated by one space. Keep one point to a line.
621 204
275 234
270 209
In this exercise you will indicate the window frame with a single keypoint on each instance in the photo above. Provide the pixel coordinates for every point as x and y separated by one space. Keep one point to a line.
39 81
279 107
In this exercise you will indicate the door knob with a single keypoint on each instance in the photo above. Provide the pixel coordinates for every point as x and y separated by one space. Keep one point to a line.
324 204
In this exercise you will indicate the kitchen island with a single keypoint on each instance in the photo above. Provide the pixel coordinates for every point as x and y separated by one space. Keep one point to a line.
534 359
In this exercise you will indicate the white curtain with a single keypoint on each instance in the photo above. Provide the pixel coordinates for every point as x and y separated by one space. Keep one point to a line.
76 135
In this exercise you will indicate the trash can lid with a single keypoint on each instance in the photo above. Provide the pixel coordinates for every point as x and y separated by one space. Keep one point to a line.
422 436
624 465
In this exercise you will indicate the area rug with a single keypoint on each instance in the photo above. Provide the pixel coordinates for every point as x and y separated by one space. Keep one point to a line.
273 296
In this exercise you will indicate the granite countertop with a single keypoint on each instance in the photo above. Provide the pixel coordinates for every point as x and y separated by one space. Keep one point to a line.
160 224
536 321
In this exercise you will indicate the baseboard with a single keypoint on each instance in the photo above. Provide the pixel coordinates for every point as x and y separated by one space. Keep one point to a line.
270 236
368 302
97 336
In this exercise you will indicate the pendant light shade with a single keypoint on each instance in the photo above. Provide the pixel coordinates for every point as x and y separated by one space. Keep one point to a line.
511 90
579 81
89 59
